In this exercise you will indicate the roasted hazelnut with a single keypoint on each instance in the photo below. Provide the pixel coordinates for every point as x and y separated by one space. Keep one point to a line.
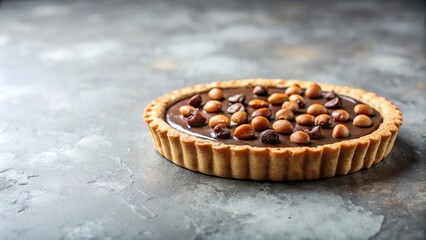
362 121
269 136
316 109
334 103
283 126
315 132
340 115
313 91
292 106
305 119
219 119
260 91
258 103
221 131
323 120
300 138
239 117
236 107
277 98
244 131
195 100
186 110
215 94
298 99
197 119
331 95
212 106
265 112
284 114
340 131
237 98
260 123
294 89
363 109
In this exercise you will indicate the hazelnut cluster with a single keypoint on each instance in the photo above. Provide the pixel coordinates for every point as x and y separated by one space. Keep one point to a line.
309 125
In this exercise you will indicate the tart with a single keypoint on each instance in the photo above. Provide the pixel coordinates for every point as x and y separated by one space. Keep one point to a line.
264 129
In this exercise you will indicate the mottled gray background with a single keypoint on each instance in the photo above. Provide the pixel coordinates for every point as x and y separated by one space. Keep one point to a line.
77 162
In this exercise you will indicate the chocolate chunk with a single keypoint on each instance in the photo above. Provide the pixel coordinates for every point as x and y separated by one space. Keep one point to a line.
260 91
334 103
197 119
195 100
236 107
269 136
331 95
221 131
237 98
315 132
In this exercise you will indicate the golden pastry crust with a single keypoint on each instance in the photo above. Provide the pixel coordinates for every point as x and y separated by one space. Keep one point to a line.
272 163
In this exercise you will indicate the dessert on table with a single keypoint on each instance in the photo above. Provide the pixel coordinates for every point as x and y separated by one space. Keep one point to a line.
263 129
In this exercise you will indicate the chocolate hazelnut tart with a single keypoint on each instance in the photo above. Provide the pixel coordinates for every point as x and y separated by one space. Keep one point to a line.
263 129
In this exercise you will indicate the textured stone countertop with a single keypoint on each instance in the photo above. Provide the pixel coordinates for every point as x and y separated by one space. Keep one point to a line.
77 161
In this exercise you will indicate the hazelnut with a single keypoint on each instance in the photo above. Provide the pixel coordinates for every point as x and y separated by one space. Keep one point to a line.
313 91
298 99
363 109
269 136
340 131
340 115
219 119
244 131
283 126
237 98
239 117
305 119
300 138
212 106
258 103
316 109
236 107
293 89
292 106
323 120
215 94
186 110
362 121
260 91
284 114
195 100
260 123
266 112
277 98
197 119
221 131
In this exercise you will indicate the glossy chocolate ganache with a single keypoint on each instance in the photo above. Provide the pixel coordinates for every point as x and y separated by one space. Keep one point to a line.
319 135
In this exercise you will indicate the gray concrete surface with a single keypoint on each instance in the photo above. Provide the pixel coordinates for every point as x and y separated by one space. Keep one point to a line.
77 162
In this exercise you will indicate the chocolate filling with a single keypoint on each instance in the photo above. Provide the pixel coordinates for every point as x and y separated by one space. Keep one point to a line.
177 121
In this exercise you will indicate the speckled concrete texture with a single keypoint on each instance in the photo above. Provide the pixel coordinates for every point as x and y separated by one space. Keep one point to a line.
77 161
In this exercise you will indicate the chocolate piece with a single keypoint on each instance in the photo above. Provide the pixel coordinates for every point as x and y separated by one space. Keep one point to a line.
197 119
269 136
334 103
235 108
195 100
331 95
315 132
237 98
221 131
260 91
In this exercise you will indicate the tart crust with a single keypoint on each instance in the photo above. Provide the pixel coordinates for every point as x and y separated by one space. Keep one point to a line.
272 163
